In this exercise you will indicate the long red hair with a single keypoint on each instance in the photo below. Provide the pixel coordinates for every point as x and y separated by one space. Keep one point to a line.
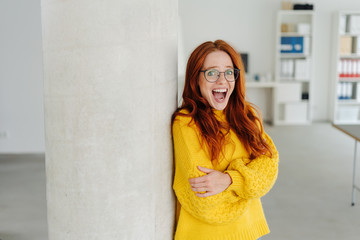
242 116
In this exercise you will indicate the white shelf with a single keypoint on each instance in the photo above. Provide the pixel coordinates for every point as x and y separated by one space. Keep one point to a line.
349 34
290 80
344 111
294 34
349 79
350 56
346 122
294 102
289 108
253 84
296 12
293 55
348 102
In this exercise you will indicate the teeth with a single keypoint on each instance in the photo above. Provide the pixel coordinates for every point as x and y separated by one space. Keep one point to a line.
220 90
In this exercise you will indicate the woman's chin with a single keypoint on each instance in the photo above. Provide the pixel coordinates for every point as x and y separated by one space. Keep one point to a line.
219 106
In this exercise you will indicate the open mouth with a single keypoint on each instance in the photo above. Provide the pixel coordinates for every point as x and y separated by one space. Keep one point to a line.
219 94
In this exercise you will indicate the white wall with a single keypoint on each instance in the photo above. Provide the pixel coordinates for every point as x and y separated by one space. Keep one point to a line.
249 26
21 80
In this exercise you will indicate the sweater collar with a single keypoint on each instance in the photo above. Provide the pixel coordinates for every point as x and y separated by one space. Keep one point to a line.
219 114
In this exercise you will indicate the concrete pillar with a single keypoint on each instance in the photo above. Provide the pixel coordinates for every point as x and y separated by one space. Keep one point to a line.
110 70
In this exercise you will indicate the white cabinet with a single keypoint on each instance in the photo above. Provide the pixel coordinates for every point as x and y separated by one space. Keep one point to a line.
293 67
346 67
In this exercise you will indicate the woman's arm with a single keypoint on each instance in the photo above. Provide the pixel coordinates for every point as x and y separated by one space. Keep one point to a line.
221 208
255 179
214 182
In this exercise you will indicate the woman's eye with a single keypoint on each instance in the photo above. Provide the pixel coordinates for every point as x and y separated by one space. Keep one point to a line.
229 72
211 73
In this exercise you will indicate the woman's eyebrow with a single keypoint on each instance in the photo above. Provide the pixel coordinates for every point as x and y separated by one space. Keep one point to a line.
218 67
212 67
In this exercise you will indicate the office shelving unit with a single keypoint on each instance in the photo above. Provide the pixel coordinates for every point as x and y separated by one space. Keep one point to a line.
346 68
293 71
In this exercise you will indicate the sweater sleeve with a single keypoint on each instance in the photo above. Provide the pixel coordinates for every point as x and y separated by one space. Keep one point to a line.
221 208
255 179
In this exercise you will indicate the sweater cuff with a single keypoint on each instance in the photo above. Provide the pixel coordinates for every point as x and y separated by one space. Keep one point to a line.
237 180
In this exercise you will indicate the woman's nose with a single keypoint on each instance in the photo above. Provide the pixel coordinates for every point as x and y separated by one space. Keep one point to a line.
221 78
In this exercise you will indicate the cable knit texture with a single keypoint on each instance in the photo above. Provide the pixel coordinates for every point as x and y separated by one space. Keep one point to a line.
236 213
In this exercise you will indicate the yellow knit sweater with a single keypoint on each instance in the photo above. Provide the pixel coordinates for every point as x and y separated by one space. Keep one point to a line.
234 214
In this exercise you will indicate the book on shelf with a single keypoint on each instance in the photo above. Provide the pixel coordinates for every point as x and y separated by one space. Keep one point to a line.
291 45
306 46
349 24
345 90
302 69
356 45
297 69
287 68
349 68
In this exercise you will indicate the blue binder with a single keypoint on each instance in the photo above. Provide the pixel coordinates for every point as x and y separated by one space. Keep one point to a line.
292 45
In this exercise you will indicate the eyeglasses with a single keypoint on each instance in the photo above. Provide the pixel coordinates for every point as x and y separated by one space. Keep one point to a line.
212 75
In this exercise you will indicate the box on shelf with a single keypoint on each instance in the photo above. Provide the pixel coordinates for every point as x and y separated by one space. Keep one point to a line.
288 27
296 112
345 45
303 28
303 6
289 92
354 24
348 114
286 5
342 24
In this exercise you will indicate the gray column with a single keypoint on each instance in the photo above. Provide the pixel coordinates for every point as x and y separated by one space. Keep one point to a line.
110 70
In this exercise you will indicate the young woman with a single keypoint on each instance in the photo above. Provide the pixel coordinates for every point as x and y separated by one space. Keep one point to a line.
224 161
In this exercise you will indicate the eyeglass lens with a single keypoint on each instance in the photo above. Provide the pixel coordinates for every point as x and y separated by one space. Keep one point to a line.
212 75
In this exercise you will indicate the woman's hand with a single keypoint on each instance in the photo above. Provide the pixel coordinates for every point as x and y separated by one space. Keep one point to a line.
212 183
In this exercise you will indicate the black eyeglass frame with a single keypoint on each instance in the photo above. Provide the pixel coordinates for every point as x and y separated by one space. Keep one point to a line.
236 74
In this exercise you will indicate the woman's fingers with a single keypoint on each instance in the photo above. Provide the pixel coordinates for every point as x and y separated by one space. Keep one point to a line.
200 189
197 185
212 183
205 170
198 179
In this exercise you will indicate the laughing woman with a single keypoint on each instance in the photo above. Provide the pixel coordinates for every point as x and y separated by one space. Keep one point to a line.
224 161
